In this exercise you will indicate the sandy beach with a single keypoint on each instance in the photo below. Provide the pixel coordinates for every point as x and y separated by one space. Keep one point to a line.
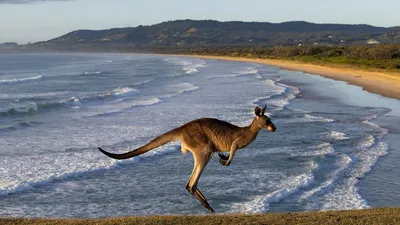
387 85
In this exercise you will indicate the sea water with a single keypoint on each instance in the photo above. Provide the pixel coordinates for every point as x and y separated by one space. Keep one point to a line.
330 151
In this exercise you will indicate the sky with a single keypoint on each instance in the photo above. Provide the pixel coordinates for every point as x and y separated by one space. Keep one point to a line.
26 21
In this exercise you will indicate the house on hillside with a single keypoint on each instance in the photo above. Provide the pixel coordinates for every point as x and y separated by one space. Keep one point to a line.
372 42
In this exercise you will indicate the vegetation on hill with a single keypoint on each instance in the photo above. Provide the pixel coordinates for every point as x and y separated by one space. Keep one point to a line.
214 33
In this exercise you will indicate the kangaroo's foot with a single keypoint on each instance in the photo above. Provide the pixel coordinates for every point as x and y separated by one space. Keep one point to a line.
224 162
199 196
222 156
224 159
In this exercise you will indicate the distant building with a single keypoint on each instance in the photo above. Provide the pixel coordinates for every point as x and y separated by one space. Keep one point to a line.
372 42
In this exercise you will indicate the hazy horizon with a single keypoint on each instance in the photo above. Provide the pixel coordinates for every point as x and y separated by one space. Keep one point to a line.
26 21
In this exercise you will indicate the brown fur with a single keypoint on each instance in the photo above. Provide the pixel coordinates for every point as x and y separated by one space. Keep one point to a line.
204 137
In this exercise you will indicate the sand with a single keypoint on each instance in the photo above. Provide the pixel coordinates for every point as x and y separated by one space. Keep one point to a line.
384 84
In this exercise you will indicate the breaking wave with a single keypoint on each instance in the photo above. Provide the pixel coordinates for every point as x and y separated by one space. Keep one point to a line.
21 80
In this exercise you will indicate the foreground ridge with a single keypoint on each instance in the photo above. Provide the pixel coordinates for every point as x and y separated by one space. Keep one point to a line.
366 216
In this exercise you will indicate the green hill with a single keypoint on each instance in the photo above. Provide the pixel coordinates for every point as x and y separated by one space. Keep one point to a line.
187 33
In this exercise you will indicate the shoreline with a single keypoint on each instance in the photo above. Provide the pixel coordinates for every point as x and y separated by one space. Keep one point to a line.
379 83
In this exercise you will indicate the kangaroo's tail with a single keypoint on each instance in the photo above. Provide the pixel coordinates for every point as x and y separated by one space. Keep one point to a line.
172 135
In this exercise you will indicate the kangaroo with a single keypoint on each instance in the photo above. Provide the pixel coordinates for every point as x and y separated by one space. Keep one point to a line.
203 137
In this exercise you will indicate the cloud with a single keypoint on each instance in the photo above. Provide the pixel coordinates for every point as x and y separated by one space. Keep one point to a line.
28 1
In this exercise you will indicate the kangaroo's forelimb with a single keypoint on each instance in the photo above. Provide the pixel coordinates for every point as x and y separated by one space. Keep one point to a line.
234 148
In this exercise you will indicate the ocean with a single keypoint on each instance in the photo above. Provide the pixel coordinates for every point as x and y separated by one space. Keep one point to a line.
336 146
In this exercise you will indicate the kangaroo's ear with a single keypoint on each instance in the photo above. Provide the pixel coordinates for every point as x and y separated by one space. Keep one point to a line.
257 111
263 110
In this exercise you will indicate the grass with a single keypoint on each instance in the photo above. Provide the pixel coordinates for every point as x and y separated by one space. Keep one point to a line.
368 216
381 65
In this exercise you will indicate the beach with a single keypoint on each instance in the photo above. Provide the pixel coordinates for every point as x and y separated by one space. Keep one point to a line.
384 84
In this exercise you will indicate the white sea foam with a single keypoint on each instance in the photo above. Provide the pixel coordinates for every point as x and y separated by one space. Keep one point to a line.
321 149
21 80
190 70
327 185
5 96
183 87
125 91
122 92
310 118
189 65
335 135
367 142
176 89
281 94
383 131
343 197
148 102
280 103
75 101
22 177
120 107
93 73
27 107
27 96
246 71
293 89
240 72
289 186
301 111
275 87
273 90
85 73
142 82
368 156
337 194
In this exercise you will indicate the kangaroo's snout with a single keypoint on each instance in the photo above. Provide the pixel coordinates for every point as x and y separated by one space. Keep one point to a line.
271 128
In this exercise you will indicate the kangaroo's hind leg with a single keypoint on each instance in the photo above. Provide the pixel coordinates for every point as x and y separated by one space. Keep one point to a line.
201 159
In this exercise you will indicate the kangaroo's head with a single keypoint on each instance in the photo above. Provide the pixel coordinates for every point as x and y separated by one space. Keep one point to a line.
262 120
